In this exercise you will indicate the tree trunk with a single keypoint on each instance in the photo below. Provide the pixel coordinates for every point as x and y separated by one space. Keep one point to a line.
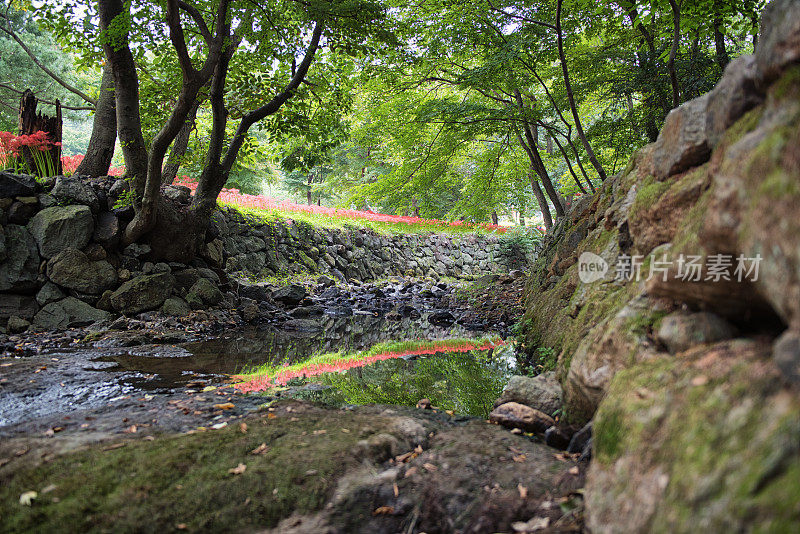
179 147
571 97
126 93
494 217
719 40
309 198
540 198
676 38
100 151
30 122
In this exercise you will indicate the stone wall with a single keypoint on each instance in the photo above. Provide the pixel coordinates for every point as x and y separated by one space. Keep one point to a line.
255 248
61 263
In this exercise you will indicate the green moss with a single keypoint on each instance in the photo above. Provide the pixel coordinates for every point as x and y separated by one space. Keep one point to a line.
787 86
154 486
647 194
608 433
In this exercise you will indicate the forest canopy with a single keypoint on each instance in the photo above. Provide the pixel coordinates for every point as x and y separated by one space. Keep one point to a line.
477 111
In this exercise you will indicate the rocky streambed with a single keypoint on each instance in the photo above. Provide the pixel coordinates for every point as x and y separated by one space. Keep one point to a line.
152 399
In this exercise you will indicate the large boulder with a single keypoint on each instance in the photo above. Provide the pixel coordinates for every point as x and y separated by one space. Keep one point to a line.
779 41
69 312
16 185
680 331
19 270
74 189
290 295
21 306
683 142
61 227
203 293
542 392
72 269
143 293
108 229
734 95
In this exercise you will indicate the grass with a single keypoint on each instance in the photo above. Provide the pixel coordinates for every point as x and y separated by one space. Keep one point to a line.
269 375
344 222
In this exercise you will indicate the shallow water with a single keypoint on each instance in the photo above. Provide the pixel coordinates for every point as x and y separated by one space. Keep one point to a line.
81 379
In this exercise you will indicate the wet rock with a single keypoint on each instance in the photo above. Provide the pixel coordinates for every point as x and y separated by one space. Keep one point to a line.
69 312
19 270
142 293
681 331
441 318
290 295
104 302
73 189
49 293
325 281
542 392
409 311
176 307
214 252
786 355
249 310
17 185
203 293
424 404
95 252
73 269
137 250
17 325
515 415
556 437
108 229
20 305
581 439
683 142
61 227
339 311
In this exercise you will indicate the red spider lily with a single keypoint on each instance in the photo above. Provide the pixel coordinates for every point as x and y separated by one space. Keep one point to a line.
235 197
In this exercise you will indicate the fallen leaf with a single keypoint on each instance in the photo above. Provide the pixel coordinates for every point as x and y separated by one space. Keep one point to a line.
395 489
418 449
410 472
516 431
22 452
261 449
383 510
130 430
26 498
520 458
271 416
319 432
209 388
700 380
181 526
537 523
574 470
9 364
238 470
311 472
430 467
225 406
243 428
114 446
48 489
523 491
346 430
219 425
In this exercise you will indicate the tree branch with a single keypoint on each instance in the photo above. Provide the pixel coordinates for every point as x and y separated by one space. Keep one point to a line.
7 29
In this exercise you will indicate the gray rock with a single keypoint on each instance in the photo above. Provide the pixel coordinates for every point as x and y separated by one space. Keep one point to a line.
257 292
186 278
22 210
786 355
119 188
61 227
136 250
290 295
683 141
17 185
542 392
176 307
143 293
20 269
17 325
108 229
47 201
681 331
74 189
302 325
20 305
204 293
49 293
178 193
306 311
732 97
208 274
68 312
73 269
779 40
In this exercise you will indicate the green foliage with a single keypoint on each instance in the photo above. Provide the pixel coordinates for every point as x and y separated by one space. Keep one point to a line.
520 240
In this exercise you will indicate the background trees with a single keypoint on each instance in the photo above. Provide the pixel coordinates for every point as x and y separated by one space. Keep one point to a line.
479 110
